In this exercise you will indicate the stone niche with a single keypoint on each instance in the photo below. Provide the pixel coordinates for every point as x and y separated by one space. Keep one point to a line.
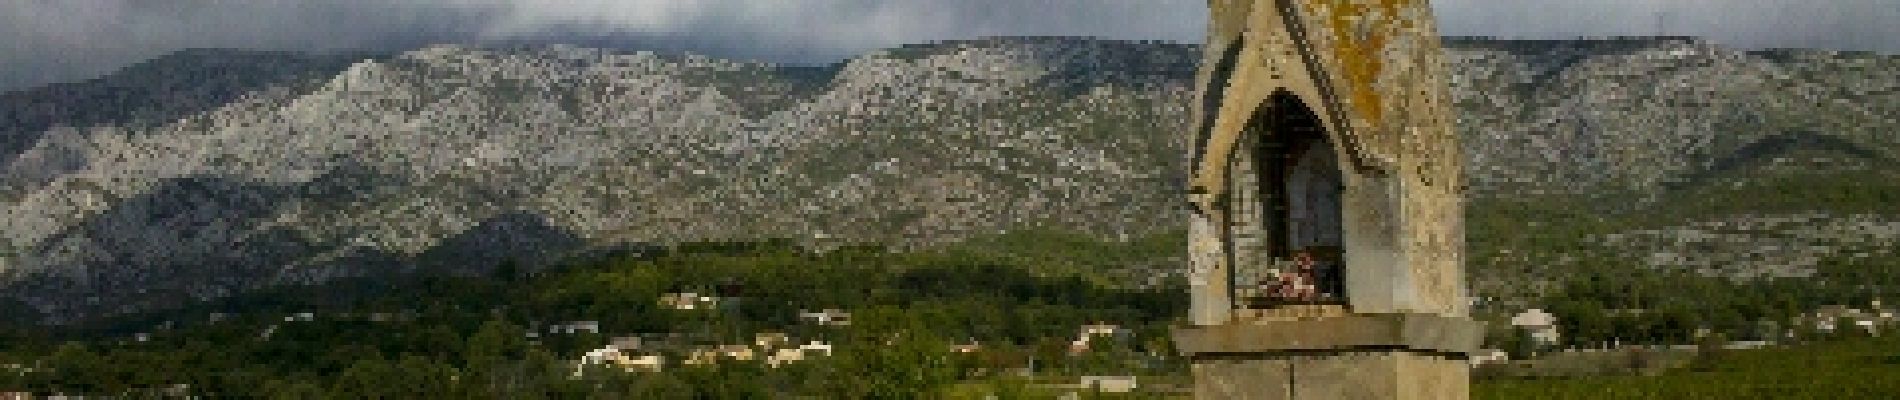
1326 240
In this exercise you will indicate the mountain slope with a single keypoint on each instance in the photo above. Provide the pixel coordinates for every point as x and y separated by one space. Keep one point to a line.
446 157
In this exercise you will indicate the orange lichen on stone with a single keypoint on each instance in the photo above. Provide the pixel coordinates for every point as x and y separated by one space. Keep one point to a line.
1361 30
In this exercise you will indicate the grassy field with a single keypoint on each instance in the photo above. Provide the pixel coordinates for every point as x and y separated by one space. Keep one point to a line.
1864 368
1861 368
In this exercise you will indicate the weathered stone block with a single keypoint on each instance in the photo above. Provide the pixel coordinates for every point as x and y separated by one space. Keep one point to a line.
1333 376
1406 332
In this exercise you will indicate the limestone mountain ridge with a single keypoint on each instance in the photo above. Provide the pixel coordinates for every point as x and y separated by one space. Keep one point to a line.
211 172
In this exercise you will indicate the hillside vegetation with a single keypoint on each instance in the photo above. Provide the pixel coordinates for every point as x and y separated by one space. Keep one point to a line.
463 337
1860 368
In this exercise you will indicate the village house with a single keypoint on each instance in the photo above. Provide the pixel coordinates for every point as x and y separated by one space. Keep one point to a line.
1090 332
599 356
784 356
1827 318
1540 325
700 357
800 353
616 357
695 301
681 300
649 362
573 327
737 352
1110 330
769 340
828 317
819 348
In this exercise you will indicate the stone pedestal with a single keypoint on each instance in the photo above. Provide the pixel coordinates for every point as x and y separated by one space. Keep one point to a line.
1332 375
1381 356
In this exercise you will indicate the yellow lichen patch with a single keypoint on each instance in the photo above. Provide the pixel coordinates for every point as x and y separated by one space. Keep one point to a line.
1361 30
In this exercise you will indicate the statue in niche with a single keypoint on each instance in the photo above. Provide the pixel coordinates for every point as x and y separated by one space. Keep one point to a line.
1313 186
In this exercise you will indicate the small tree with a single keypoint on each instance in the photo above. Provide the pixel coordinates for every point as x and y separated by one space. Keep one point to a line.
1518 343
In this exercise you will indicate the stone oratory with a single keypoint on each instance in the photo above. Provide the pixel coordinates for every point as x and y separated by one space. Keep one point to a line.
1326 239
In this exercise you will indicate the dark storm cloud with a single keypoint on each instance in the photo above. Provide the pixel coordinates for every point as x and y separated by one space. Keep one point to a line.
817 31
63 40
52 41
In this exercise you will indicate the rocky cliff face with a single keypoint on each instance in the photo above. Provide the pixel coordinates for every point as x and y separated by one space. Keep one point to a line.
209 172
1578 116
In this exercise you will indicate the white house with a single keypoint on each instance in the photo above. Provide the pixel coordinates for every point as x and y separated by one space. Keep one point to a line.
613 356
600 355
650 362
738 352
1111 330
768 340
1541 325
702 356
694 301
801 353
572 327
821 348
1824 318
784 356
828 317
1090 332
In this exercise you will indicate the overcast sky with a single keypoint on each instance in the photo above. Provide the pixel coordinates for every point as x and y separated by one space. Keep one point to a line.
63 40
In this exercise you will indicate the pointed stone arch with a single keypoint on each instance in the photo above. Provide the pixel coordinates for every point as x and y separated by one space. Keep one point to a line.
1375 93
1282 196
